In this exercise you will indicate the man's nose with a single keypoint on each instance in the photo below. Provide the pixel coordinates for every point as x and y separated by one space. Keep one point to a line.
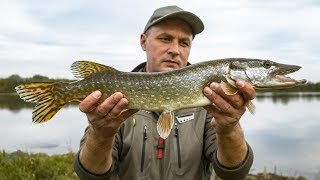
174 48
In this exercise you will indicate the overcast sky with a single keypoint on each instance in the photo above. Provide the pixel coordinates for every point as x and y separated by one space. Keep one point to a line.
46 37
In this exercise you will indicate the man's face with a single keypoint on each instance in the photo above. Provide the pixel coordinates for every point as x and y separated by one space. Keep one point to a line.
167 45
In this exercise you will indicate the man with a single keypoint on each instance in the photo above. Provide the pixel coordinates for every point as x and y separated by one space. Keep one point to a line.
124 144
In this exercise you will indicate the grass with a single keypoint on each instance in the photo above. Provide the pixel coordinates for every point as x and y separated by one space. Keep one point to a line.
25 166
21 165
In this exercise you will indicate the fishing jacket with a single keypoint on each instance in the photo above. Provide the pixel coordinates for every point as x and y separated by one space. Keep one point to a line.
190 151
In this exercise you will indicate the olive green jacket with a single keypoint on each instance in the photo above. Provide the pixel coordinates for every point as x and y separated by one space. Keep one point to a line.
188 153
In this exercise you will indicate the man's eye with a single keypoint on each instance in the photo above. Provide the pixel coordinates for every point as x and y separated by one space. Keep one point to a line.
185 44
165 39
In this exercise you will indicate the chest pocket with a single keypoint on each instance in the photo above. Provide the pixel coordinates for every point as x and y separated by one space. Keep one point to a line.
136 147
187 144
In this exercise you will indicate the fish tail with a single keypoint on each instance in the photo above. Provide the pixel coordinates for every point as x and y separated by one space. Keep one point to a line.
45 97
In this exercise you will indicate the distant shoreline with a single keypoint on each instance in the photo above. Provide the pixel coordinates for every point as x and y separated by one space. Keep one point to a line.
297 93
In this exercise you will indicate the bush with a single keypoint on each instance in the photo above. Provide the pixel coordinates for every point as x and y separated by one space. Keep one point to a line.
21 165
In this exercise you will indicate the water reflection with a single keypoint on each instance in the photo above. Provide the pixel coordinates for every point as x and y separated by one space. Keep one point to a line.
286 98
284 132
13 103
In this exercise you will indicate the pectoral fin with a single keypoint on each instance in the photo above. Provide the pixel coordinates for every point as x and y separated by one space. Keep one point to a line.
228 89
165 124
251 107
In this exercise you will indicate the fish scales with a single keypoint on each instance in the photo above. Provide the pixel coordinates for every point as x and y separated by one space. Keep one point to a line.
159 91
152 91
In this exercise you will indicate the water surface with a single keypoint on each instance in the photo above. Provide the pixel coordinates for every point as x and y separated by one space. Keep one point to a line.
284 133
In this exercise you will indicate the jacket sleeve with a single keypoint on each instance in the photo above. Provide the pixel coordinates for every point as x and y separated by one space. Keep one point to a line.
210 149
110 174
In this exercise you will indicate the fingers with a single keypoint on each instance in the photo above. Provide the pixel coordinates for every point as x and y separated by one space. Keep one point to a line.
109 109
247 90
112 106
106 117
127 113
212 109
224 116
226 103
227 110
90 102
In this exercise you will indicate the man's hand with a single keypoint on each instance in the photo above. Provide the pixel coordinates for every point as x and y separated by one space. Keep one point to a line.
227 110
106 117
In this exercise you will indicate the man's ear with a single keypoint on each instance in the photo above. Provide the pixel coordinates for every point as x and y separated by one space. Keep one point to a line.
143 40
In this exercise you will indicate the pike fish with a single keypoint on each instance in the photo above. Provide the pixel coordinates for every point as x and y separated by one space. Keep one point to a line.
163 92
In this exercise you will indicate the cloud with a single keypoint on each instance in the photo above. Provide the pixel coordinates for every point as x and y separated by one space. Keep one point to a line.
46 37
281 31
15 19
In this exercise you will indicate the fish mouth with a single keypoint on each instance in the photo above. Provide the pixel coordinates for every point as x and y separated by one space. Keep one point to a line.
280 78
286 81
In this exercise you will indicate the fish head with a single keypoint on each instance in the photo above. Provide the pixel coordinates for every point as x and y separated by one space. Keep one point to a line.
264 74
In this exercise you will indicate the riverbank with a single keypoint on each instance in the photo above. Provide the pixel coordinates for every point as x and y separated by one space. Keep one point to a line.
22 165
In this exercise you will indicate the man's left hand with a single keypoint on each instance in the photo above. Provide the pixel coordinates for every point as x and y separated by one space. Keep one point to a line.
227 110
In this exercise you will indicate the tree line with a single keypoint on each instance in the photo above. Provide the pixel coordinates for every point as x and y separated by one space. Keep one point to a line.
8 84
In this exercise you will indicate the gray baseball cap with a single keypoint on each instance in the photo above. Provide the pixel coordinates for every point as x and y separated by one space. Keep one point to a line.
166 12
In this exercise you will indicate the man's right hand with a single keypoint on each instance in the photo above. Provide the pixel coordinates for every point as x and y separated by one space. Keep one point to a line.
105 117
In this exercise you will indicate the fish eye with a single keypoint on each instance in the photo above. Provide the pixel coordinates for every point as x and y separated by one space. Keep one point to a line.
267 64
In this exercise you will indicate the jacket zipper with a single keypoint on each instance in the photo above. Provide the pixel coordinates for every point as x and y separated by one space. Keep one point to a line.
178 144
143 146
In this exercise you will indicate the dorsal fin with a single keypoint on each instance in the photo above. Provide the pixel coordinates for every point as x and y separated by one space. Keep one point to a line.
83 69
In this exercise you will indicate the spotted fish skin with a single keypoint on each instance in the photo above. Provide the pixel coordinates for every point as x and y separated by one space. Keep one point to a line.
157 91
160 91
166 91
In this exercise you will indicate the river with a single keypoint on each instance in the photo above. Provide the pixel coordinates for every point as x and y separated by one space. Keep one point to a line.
284 133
